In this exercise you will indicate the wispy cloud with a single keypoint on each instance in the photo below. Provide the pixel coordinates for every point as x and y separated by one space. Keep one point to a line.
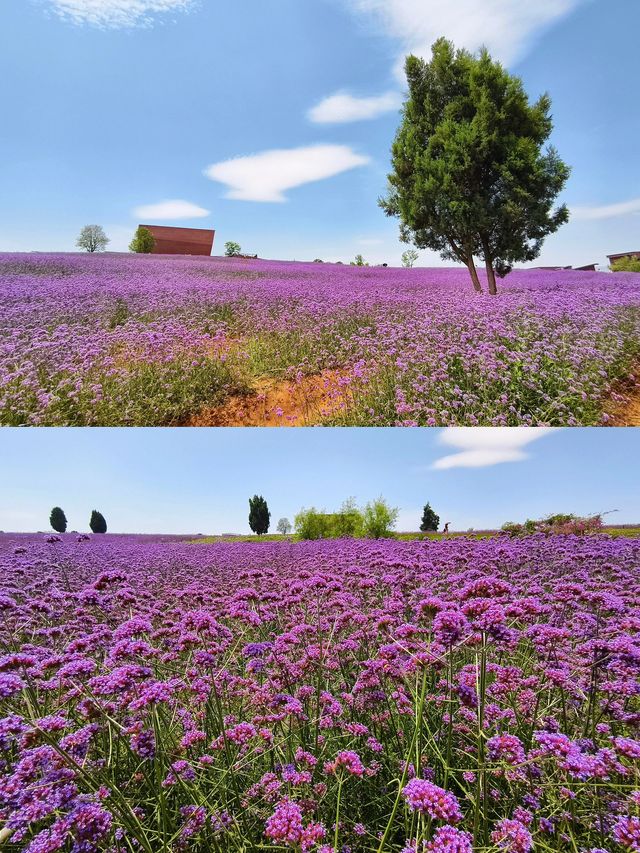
267 176
170 209
507 27
342 107
607 211
480 447
116 13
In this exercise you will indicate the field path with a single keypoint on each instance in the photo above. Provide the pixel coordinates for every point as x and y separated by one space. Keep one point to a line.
304 402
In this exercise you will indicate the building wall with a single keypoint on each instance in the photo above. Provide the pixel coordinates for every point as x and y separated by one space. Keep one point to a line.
181 241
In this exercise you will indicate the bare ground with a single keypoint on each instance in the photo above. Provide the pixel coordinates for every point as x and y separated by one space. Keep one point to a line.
276 402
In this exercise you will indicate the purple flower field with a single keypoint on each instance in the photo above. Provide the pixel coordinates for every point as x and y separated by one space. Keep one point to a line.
351 695
147 340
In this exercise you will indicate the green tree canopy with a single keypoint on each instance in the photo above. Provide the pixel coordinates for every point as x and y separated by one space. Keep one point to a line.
58 520
92 239
284 526
232 249
379 519
259 515
97 522
143 241
470 177
430 521
626 264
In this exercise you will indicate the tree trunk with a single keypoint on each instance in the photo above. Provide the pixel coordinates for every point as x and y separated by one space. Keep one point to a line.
491 277
473 272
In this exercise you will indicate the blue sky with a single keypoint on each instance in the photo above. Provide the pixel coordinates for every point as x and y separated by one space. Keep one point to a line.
114 105
199 481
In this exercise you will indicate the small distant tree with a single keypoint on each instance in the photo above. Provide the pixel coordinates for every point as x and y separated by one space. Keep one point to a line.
97 522
430 521
92 239
259 515
284 526
409 258
469 174
359 261
626 264
231 249
58 520
379 519
143 241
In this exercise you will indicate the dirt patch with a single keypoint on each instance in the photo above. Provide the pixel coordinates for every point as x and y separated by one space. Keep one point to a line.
629 413
306 401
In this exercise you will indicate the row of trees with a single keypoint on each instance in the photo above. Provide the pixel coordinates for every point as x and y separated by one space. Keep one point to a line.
92 238
58 521
374 521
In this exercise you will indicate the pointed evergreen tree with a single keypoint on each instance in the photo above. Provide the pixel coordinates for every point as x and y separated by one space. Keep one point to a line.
430 521
97 522
470 177
259 515
58 520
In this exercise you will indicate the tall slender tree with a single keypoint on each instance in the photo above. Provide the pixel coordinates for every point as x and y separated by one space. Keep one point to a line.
470 177
97 522
58 520
430 521
259 515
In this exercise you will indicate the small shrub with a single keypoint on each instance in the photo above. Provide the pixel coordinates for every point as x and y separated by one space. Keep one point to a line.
231 249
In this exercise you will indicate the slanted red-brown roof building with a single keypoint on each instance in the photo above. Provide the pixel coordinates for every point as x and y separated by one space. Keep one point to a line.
181 241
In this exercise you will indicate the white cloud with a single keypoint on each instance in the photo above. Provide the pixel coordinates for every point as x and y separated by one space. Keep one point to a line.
480 447
506 27
116 13
342 108
266 176
607 211
170 209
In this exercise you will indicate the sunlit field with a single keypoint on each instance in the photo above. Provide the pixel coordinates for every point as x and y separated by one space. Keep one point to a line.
361 696
149 340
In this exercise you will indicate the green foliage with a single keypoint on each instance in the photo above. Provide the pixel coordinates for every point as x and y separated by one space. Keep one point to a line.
470 177
92 239
284 526
359 261
348 522
409 258
58 520
379 519
430 521
626 264
143 241
231 249
97 522
259 515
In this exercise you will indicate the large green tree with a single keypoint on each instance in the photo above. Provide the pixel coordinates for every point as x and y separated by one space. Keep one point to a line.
471 175
259 515
143 241
58 520
97 522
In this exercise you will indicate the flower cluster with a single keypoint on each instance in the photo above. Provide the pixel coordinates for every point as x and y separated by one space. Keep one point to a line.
475 695
126 340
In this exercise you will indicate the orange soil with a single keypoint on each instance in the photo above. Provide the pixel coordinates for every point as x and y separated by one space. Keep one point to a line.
629 414
305 402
